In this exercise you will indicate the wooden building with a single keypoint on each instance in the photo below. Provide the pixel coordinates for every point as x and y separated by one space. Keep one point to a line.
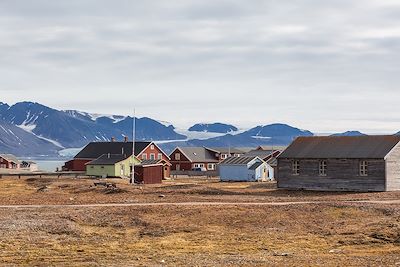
94 150
194 158
147 173
245 169
9 161
111 165
166 166
341 163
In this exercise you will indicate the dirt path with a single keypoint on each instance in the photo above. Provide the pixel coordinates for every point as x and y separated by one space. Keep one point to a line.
155 204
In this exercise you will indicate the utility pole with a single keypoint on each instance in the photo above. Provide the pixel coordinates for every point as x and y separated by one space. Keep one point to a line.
132 180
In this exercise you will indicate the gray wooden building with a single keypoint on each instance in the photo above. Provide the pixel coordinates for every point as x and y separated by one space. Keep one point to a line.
341 163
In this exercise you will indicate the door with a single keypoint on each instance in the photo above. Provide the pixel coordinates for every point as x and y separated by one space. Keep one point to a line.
178 167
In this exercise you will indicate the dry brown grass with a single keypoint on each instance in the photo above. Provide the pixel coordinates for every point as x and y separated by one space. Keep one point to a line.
324 234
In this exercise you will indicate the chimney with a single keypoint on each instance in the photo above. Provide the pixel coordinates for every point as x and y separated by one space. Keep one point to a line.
113 139
108 155
125 139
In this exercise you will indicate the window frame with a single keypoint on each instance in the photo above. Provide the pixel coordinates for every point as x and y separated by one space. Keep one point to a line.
363 168
296 167
323 166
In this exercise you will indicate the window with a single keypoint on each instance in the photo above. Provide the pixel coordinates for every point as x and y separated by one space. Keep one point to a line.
177 156
363 168
144 156
224 156
322 168
152 147
152 156
211 166
199 165
159 156
296 167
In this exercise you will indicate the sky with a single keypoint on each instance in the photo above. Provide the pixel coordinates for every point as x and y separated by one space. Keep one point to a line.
325 66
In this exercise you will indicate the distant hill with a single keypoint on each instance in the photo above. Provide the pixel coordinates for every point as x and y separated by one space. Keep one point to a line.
350 133
213 128
273 134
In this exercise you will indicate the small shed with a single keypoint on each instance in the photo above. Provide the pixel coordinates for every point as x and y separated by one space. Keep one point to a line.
149 174
243 169
166 165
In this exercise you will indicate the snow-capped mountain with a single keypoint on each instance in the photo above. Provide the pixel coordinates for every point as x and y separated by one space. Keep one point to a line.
71 129
213 128
22 143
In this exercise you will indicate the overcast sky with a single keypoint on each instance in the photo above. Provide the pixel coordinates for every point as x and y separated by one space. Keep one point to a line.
325 66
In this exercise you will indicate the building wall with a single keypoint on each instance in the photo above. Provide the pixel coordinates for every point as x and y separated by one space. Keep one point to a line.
111 170
76 165
184 162
149 174
148 151
393 170
342 175
100 170
233 173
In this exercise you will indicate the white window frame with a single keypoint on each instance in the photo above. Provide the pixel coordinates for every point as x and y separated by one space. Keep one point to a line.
152 147
152 156
224 156
322 168
177 156
199 165
211 166
144 156
296 167
159 156
363 168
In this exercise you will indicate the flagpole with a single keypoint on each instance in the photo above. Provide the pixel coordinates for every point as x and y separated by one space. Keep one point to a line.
132 181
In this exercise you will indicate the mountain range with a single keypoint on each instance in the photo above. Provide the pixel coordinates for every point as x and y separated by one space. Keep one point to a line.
32 129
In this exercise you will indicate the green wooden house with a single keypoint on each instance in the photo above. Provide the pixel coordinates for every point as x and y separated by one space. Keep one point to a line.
111 165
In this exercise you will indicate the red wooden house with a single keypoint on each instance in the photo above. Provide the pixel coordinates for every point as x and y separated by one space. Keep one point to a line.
8 161
143 150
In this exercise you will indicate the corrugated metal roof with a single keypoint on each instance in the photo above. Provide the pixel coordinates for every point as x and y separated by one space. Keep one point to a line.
108 159
96 149
374 147
199 154
256 165
260 153
237 160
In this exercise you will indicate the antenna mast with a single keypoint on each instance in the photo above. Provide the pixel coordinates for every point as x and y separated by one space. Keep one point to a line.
132 180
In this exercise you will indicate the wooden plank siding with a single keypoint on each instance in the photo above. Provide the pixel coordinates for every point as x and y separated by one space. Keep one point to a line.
393 170
341 175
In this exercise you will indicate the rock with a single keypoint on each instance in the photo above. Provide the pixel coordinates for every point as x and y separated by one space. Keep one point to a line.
284 254
335 251
71 198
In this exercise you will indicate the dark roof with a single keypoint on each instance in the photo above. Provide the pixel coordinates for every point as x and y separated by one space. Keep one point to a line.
224 150
237 160
351 147
108 159
199 154
256 165
96 149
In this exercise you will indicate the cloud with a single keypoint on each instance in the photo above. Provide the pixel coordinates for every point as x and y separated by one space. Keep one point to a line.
311 63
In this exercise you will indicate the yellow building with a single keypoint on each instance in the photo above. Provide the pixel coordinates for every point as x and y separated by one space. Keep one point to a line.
111 165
